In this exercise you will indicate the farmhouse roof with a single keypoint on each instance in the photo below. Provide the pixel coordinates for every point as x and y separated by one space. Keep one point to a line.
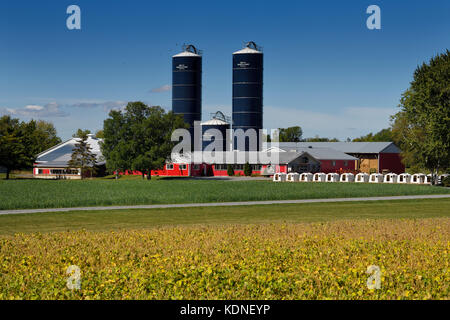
346 147
58 156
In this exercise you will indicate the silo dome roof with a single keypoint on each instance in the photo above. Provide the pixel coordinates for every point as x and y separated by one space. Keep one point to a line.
250 47
186 54
189 51
247 50
214 122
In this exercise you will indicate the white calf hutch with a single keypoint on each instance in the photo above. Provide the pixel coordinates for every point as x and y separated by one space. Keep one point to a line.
376 178
347 177
390 178
319 177
418 178
332 177
404 178
279 177
362 178
293 177
306 177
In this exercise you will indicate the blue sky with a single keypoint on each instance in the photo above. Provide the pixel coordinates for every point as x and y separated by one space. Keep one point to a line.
324 70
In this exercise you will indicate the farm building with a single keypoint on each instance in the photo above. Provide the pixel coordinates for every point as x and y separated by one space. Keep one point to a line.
53 163
310 160
372 157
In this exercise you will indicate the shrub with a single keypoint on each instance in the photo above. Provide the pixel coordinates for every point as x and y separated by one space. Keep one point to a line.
230 170
446 181
247 169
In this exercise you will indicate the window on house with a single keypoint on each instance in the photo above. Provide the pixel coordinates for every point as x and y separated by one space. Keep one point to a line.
183 167
169 166
333 163
196 166
305 160
345 163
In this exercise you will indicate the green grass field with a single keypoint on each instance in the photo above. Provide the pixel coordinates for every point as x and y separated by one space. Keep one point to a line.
22 194
263 214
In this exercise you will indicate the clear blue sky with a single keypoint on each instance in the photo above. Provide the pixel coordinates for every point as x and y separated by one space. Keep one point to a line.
324 70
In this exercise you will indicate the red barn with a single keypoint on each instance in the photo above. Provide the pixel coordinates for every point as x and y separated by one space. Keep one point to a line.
372 157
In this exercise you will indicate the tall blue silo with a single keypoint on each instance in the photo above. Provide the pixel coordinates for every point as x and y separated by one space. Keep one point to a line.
187 86
248 92
218 122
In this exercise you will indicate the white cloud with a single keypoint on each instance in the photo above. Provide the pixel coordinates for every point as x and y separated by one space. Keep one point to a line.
106 106
49 110
164 88
34 107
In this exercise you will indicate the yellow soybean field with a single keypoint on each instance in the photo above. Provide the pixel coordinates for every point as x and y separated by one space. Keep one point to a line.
268 261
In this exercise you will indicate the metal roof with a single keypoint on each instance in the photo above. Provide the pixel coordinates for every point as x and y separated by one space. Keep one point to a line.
214 122
59 155
236 157
317 153
255 157
250 47
189 51
186 54
247 50
346 147
326 154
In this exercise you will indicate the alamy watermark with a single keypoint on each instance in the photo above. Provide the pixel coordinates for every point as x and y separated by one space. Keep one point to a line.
374 280
220 149
374 20
74 20
74 279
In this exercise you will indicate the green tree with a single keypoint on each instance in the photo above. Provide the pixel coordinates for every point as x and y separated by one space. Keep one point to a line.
247 169
81 133
266 138
82 156
230 170
21 142
425 111
99 134
383 135
12 151
399 125
291 134
139 138
319 139
38 136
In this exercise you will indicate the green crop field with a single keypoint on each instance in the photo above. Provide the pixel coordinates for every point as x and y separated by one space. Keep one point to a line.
21 194
111 220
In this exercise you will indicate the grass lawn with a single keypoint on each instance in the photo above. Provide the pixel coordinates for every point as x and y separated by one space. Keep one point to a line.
29 193
286 213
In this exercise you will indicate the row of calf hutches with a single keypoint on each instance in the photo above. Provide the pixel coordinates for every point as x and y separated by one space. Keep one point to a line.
418 178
